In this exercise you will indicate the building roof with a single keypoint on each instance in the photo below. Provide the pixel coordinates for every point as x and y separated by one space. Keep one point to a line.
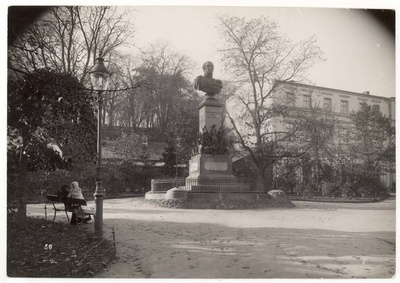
365 94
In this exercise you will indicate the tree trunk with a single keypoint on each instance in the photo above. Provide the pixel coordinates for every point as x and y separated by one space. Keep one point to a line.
22 189
261 173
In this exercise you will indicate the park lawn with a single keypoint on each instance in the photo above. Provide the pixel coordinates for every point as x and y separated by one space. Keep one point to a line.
40 248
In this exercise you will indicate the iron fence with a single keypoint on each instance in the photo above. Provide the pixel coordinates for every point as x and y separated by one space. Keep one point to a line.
195 185
163 185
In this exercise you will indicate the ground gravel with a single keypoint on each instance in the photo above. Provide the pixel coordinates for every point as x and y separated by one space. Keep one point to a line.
221 204
41 248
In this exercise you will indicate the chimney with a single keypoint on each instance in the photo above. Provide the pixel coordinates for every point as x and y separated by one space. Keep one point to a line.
366 92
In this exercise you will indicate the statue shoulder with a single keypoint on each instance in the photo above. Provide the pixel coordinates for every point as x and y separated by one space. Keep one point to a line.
197 81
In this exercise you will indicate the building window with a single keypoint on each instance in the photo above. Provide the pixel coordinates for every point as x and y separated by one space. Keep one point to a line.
327 104
307 101
362 104
291 100
290 132
344 107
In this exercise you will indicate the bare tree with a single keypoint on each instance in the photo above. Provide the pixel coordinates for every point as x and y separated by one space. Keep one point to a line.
123 78
260 59
103 29
314 133
165 71
67 39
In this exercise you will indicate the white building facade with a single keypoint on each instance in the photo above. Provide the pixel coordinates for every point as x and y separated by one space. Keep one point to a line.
339 103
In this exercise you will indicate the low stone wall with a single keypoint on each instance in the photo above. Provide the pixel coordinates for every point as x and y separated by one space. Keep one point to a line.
339 200
213 196
155 195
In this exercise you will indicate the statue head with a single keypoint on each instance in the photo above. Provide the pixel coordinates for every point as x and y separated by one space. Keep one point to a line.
208 68
206 83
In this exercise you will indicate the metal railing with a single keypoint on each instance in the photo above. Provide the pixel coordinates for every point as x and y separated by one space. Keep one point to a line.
163 185
213 185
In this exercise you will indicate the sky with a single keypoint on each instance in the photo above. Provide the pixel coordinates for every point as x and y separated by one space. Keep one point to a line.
359 50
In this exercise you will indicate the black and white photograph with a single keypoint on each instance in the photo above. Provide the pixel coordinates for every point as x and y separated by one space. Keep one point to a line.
218 141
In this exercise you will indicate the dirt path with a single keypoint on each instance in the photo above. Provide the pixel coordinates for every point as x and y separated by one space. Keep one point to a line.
312 240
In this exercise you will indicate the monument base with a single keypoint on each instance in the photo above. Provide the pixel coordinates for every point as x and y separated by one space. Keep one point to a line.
176 193
213 173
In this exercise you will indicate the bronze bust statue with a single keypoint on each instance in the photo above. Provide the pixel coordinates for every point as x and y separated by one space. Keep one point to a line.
206 83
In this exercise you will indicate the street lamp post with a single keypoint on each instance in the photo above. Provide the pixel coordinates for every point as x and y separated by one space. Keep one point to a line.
99 77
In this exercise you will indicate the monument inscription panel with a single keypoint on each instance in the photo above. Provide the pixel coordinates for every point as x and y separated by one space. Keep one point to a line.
213 115
216 166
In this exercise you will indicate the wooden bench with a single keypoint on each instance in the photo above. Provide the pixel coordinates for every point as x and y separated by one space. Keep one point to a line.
72 205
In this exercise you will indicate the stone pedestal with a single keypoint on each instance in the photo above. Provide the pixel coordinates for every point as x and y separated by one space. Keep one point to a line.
209 166
213 173
210 113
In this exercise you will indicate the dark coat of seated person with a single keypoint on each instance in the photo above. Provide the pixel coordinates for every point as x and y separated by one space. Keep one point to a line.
63 193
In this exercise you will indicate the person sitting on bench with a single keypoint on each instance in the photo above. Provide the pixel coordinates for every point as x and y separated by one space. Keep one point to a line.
63 192
76 192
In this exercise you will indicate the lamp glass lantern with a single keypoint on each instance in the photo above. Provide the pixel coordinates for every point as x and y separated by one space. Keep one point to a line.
99 75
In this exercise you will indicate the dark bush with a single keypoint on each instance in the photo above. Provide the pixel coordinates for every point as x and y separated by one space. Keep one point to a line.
368 185
128 177
117 178
330 189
